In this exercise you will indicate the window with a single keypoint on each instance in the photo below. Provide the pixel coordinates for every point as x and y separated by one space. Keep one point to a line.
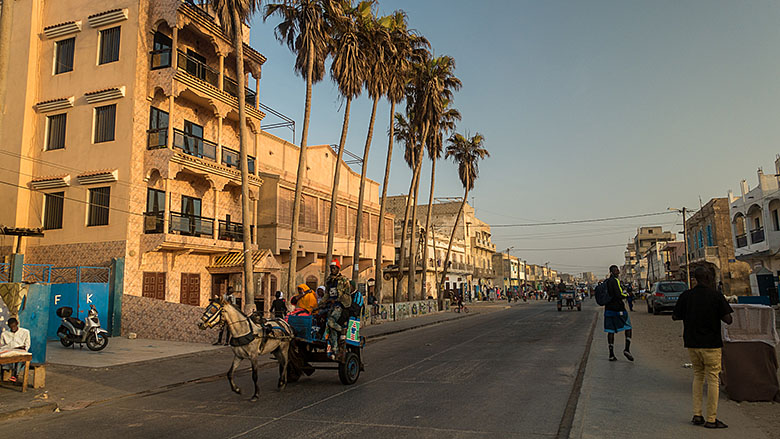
196 64
105 123
190 206
98 206
52 210
775 220
161 51
710 240
109 45
155 210
55 131
63 55
158 128
756 224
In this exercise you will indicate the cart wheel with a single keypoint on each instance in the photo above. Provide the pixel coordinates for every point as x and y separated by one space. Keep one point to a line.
349 370
292 374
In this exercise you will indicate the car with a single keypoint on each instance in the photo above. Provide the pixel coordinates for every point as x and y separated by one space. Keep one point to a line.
663 295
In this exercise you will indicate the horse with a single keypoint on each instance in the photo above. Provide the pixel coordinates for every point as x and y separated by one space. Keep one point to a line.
249 340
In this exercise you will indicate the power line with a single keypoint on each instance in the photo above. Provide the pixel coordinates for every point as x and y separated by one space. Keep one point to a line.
568 248
583 221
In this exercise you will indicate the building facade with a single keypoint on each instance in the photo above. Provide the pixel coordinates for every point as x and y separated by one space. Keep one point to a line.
121 141
755 223
710 244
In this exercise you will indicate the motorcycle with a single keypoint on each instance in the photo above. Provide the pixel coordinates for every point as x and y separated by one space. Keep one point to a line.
73 330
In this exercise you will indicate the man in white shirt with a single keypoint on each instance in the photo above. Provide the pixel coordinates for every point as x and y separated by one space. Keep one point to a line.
15 338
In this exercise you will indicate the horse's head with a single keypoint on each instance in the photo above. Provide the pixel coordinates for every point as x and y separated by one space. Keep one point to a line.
212 316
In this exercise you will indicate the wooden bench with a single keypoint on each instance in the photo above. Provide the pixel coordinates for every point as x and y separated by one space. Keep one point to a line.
19 358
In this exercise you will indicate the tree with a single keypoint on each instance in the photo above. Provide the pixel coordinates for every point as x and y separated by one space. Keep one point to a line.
405 132
446 123
232 14
405 47
306 30
466 152
348 71
374 38
430 88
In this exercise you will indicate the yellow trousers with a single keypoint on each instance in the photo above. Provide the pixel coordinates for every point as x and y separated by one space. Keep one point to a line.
706 365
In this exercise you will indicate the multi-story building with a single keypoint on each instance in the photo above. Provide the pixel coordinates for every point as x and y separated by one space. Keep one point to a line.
628 271
755 221
507 271
474 233
589 277
647 236
660 258
121 141
675 260
710 244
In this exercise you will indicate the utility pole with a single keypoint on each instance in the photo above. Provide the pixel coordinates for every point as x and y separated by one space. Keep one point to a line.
684 212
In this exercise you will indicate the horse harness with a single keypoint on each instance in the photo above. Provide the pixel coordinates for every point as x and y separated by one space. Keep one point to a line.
267 333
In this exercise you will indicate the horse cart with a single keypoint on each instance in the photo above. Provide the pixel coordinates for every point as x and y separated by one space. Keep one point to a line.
309 350
570 299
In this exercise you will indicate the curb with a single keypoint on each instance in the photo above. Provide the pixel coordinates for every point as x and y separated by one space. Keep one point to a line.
577 418
48 407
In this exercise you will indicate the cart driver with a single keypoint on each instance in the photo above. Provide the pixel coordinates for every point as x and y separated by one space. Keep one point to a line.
339 299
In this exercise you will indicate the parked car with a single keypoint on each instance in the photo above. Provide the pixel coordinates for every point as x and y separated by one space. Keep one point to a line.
663 295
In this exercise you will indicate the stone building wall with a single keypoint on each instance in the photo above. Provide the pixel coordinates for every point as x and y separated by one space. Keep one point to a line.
160 320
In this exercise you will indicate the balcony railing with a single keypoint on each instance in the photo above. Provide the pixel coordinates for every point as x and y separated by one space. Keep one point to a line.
194 146
757 236
157 138
197 69
230 231
191 225
741 240
153 222
704 253
160 58
232 159
231 87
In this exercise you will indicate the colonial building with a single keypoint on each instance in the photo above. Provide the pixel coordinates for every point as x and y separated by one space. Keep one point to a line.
755 223
120 139
710 244
507 271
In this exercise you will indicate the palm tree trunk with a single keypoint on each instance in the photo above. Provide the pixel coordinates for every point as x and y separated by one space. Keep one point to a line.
334 194
5 53
381 228
427 230
292 268
361 195
249 284
402 263
452 237
413 238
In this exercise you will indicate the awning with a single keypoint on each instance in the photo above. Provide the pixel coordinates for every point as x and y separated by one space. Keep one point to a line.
262 261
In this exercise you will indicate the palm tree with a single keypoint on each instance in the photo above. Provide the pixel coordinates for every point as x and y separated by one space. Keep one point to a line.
405 46
430 88
375 38
347 70
445 124
466 152
305 28
232 14
405 132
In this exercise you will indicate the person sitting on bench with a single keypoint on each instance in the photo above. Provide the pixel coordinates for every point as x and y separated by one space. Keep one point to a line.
15 338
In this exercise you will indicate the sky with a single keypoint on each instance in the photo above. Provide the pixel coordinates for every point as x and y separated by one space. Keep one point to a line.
590 109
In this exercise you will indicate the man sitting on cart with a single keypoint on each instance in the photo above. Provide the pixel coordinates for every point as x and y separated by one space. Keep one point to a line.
339 299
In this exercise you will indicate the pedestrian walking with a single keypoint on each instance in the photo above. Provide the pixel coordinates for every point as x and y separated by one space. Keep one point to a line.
701 309
615 315
279 306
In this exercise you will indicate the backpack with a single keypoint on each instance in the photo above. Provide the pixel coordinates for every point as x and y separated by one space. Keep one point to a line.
602 294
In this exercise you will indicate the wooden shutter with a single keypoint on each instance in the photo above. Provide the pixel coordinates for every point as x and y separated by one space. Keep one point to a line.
190 289
324 216
149 284
160 289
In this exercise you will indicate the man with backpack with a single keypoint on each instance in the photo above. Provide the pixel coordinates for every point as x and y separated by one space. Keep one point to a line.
610 295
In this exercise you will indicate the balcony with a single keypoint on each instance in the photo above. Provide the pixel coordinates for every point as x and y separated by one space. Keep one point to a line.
231 87
191 225
232 231
197 69
194 146
232 159
757 235
741 240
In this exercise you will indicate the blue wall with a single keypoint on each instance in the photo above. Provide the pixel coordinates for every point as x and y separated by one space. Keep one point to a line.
35 317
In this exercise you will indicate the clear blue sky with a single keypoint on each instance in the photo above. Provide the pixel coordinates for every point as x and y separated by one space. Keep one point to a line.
589 108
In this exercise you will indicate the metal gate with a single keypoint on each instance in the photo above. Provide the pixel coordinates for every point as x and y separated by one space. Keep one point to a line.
78 288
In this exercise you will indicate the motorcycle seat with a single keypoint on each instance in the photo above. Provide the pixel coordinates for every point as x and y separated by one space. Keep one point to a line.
78 324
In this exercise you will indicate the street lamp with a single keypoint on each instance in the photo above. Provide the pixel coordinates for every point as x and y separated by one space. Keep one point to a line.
685 244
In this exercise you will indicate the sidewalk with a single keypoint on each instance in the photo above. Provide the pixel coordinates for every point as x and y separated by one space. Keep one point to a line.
77 378
651 397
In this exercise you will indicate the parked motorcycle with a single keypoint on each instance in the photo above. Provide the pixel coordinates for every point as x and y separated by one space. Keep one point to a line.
73 330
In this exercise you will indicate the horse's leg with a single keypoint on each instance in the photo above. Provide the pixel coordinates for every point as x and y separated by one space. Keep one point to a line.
282 353
255 365
233 367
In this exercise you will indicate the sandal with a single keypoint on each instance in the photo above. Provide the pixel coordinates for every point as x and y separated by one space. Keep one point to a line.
628 355
697 420
717 424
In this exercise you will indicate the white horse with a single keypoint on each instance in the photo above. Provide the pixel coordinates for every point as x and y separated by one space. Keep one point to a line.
249 340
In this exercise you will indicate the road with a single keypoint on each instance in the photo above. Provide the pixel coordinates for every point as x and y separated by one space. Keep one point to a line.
502 374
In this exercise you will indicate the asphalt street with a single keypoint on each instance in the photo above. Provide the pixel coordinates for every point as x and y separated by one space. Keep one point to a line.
502 374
